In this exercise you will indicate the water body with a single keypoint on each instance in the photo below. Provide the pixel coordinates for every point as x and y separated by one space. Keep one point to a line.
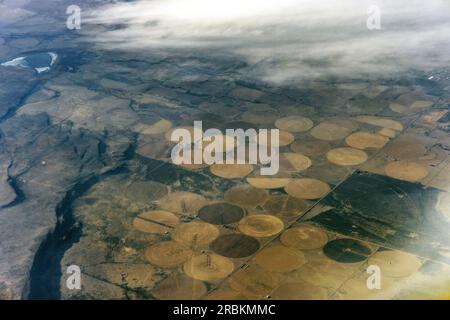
41 62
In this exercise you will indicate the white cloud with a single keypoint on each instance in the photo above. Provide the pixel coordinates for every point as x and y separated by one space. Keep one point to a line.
288 40
11 12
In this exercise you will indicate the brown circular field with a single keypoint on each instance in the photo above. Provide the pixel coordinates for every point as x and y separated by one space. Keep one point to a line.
254 283
299 291
221 213
304 237
208 267
179 287
279 258
167 254
235 245
265 116
183 202
405 149
329 131
246 195
260 225
310 146
329 172
285 206
155 221
195 233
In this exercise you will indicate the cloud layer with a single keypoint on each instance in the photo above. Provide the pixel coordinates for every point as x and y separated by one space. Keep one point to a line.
287 40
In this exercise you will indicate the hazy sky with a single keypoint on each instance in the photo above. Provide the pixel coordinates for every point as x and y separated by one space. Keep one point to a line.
289 40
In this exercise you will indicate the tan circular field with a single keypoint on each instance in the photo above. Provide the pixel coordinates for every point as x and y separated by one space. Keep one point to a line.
279 258
421 104
304 237
350 124
149 227
190 164
412 107
329 131
155 149
294 124
159 127
163 217
167 254
268 183
225 295
208 267
395 264
364 140
285 138
406 170
183 202
307 188
179 287
299 291
260 225
324 273
443 204
390 133
228 142
294 162
231 171
246 195
254 283
191 130
380 122
399 108
155 221
195 233
194 166
347 156
250 155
